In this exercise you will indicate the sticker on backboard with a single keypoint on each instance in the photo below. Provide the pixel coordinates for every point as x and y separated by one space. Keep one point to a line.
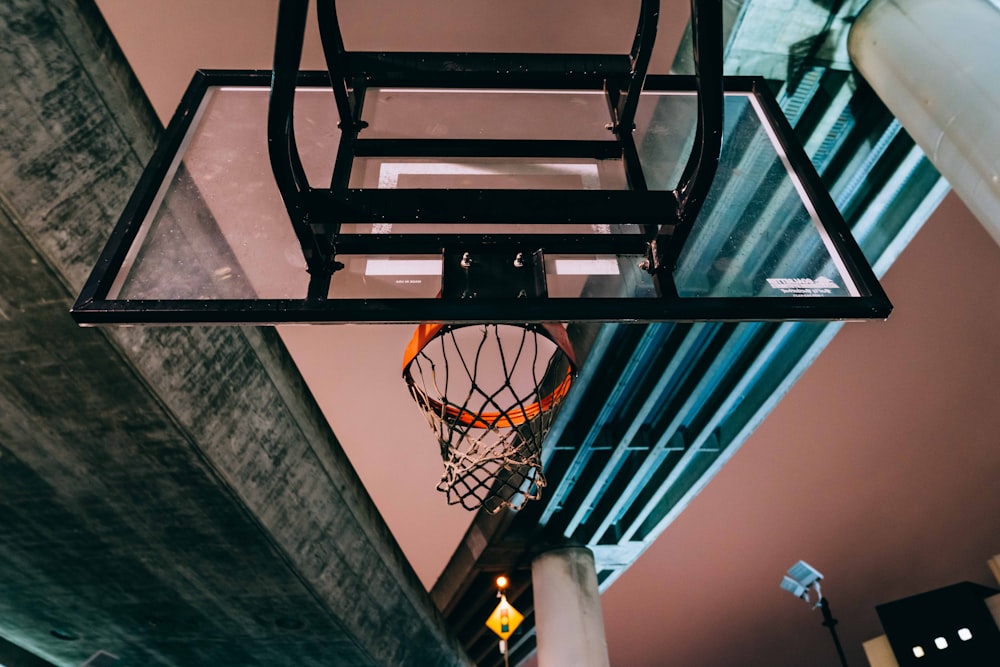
803 286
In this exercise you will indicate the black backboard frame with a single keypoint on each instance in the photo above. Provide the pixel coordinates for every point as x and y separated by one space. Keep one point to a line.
94 307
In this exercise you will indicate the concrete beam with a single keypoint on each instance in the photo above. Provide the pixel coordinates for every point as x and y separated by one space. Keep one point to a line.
173 495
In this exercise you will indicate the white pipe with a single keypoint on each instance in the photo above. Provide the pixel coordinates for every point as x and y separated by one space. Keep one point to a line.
936 65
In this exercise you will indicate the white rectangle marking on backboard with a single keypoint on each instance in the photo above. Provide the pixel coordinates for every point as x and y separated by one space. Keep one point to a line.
587 267
389 172
403 267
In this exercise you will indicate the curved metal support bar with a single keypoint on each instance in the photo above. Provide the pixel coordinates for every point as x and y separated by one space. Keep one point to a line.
282 151
642 52
286 165
624 105
696 181
336 61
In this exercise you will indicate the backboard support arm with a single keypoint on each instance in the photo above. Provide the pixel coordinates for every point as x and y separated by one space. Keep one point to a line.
351 73
699 174
289 175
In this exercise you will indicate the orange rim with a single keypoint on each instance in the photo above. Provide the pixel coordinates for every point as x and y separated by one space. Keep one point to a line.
515 417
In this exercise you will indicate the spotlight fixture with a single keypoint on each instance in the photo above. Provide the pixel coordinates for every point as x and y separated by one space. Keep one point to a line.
801 580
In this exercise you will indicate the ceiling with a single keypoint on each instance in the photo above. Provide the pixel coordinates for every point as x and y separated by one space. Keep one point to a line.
877 467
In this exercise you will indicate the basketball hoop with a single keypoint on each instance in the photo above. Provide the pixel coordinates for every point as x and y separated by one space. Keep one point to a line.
489 392
615 188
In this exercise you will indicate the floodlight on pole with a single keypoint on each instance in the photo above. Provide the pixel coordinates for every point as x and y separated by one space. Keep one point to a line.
801 579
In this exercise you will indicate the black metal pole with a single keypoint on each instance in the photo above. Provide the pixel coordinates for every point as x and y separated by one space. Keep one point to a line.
830 622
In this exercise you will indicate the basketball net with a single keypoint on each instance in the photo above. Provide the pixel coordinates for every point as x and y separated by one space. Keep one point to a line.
489 392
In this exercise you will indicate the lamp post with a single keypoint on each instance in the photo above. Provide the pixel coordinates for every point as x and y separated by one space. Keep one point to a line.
504 619
801 580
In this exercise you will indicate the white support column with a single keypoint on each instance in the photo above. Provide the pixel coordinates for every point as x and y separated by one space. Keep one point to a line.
568 622
934 64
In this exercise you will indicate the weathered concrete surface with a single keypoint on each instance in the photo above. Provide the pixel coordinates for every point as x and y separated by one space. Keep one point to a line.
170 495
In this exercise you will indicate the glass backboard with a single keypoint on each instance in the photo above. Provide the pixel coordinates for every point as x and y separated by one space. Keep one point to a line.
207 239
